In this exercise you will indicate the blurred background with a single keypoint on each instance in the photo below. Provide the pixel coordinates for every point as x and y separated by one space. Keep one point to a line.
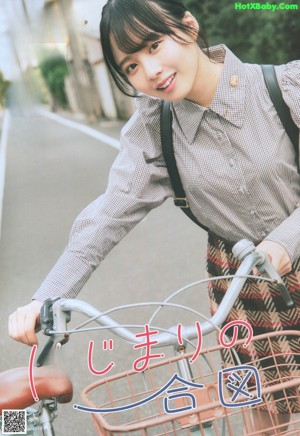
53 45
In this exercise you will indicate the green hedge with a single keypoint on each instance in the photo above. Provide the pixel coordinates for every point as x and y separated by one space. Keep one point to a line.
54 69
4 84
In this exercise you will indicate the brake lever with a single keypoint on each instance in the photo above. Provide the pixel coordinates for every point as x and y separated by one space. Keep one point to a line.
46 316
267 268
243 248
47 326
43 356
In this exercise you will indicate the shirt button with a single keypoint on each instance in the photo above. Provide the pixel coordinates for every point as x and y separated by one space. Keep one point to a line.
263 234
231 162
252 212
242 189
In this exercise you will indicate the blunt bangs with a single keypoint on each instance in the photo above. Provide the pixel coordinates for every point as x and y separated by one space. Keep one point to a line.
132 31
132 24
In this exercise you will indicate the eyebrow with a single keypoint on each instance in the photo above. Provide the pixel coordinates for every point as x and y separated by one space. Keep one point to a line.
144 42
138 47
124 60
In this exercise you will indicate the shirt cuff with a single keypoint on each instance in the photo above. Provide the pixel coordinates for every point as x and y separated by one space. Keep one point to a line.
66 279
287 234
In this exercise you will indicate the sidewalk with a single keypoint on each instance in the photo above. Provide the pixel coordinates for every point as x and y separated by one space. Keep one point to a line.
109 127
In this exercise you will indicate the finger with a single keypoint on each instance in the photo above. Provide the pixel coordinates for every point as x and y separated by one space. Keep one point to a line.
276 262
23 321
282 264
14 326
29 328
20 322
21 326
284 268
11 329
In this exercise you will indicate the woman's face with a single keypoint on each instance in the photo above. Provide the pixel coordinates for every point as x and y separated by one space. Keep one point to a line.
166 68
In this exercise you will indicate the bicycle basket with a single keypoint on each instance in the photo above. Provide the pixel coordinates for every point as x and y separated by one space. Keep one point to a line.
180 409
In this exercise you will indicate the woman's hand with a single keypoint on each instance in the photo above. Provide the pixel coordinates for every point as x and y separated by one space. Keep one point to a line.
278 256
23 322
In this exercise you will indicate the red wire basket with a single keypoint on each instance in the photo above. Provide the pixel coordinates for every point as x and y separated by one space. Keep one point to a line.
182 409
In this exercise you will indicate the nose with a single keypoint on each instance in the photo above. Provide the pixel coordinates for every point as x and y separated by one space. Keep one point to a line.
152 68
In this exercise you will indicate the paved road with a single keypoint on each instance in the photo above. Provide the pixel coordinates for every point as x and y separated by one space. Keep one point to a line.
52 172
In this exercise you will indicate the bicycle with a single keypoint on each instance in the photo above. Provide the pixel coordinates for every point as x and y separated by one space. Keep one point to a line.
119 403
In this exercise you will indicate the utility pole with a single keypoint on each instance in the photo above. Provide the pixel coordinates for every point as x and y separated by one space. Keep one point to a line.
82 76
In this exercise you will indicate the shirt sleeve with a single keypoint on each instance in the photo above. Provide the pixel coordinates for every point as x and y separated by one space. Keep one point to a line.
290 86
287 233
138 182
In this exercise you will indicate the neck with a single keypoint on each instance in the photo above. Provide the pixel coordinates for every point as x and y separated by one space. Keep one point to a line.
207 80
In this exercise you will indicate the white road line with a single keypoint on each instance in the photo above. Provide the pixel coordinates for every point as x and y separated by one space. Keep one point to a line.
68 123
3 147
82 128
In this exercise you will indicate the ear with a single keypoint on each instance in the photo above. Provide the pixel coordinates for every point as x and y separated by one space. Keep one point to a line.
190 21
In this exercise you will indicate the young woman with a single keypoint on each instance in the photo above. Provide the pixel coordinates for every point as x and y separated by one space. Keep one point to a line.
235 159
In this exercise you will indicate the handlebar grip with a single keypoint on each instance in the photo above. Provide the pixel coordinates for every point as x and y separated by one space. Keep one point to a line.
243 248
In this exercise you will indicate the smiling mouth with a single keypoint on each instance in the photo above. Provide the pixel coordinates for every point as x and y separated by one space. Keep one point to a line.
167 83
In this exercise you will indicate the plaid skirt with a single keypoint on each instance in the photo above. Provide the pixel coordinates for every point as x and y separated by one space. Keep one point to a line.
262 305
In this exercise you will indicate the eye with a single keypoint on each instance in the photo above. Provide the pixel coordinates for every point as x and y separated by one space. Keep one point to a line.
154 46
130 68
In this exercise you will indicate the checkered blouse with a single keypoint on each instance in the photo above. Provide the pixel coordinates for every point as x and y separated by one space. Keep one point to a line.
235 159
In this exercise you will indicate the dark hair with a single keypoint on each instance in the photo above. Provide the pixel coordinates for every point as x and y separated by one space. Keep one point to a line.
132 24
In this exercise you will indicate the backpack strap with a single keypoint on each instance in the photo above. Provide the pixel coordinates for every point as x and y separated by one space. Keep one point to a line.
180 199
281 107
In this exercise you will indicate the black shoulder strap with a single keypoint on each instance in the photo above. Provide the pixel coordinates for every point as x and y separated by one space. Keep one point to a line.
281 107
180 199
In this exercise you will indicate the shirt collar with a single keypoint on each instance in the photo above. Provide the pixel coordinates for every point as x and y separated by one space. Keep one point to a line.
228 101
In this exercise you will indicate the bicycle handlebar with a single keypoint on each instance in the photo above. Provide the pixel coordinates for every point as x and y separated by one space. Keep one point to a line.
244 250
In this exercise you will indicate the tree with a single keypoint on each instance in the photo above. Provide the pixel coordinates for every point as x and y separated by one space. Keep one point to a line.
258 36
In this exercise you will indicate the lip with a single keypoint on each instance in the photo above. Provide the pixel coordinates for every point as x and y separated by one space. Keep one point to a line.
163 82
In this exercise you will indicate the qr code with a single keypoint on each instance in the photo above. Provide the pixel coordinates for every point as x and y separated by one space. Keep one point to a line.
14 422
